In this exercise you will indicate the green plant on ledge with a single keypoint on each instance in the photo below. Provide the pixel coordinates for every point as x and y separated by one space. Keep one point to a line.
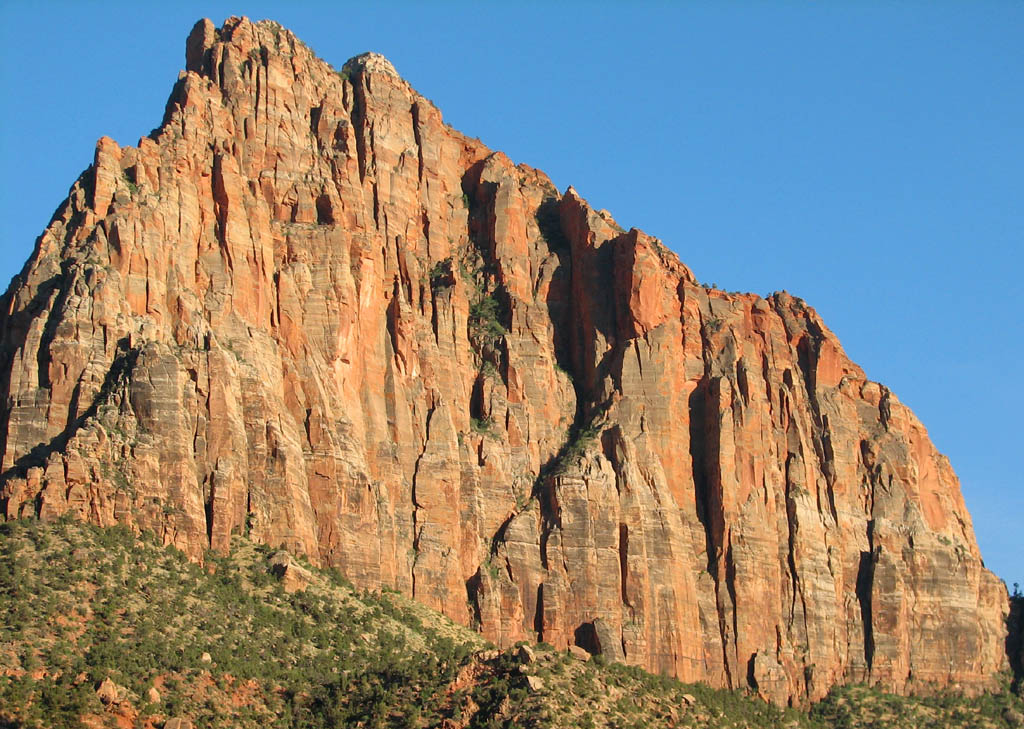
132 187
484 319
489 369
442 275
481 426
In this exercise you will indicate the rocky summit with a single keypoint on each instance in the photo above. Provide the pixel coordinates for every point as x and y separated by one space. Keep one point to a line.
305 311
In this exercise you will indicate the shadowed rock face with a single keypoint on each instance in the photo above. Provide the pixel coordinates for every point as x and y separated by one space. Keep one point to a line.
306 309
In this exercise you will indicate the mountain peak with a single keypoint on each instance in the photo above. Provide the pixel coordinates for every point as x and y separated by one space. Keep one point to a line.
264 36
308 311
373 63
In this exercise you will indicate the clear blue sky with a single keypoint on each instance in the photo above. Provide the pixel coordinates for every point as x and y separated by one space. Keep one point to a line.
866 156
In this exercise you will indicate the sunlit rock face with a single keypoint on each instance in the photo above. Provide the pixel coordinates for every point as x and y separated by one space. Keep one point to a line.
307 310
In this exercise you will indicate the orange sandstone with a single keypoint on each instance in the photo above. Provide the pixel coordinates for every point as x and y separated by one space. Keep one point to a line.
307 310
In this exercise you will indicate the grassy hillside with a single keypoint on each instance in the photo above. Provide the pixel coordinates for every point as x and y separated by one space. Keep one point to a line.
103 629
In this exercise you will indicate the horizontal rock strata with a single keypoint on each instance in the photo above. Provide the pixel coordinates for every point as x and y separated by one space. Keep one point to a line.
307 310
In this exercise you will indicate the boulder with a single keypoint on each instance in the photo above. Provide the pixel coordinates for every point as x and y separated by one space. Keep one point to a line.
579 653
109 692
293 576
526 654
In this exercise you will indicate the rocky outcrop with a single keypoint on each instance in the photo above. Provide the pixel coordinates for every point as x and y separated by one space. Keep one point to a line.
306 309
292 575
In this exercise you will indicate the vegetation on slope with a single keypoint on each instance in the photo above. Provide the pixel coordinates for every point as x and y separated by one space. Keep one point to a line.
100 628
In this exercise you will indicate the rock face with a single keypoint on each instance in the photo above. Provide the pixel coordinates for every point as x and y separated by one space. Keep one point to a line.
307 310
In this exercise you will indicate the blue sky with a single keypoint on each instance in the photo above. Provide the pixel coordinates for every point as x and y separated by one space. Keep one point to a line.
865 156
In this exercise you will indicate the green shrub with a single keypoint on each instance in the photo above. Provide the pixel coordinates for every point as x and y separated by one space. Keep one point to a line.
442 275
481 426
485 314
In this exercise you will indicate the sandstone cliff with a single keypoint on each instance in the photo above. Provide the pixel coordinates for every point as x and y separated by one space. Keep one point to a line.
306 309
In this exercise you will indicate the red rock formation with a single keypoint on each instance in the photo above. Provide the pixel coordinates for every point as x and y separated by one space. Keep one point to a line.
306 309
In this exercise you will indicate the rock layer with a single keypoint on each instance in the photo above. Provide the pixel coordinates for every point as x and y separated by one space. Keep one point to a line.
306 309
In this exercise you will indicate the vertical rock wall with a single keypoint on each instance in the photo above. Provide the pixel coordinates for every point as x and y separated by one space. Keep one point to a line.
307 310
